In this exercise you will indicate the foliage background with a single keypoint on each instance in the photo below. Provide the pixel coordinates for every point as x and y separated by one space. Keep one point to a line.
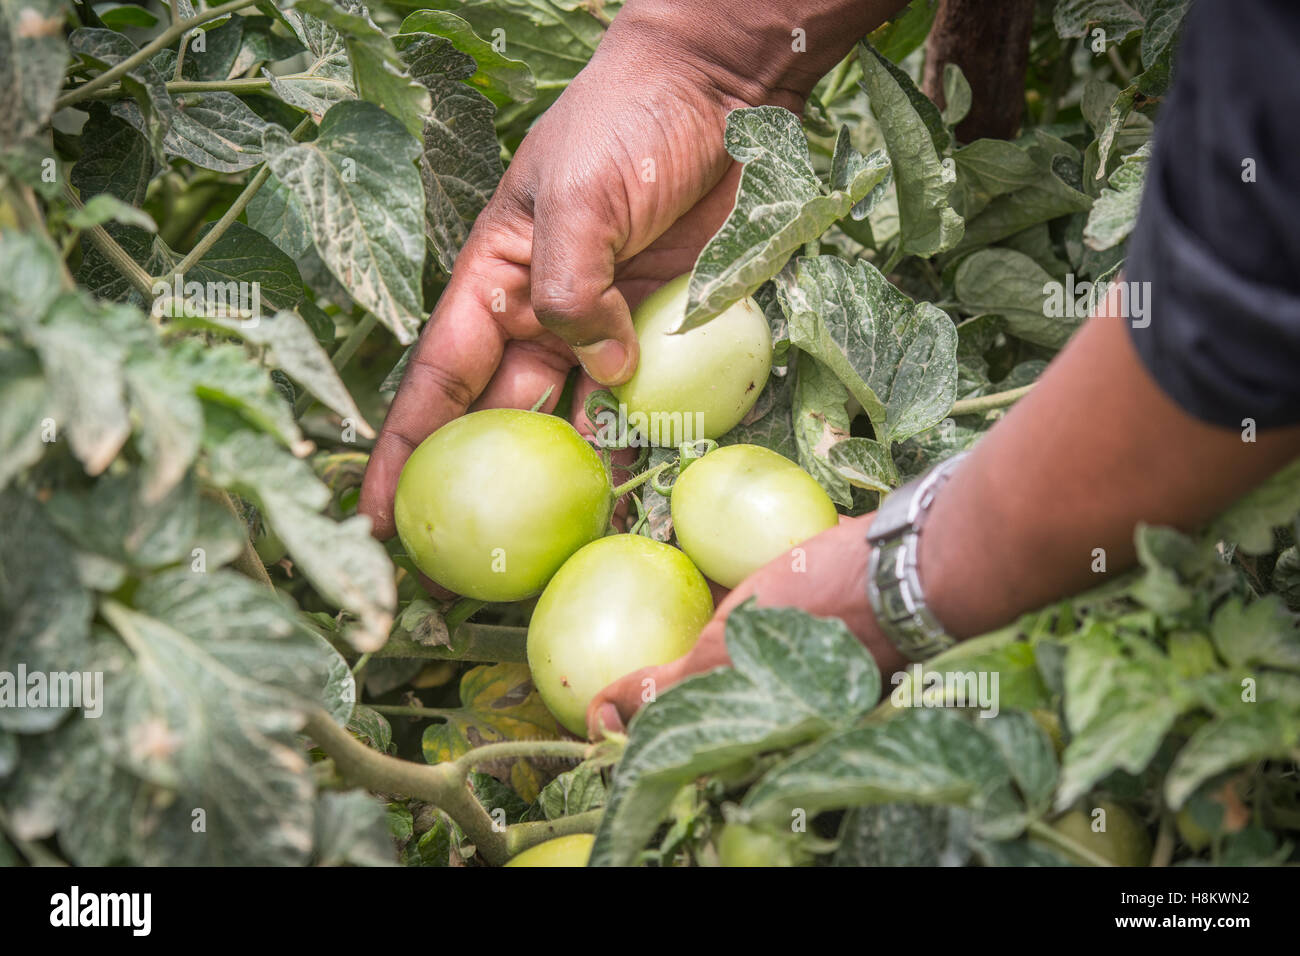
178 492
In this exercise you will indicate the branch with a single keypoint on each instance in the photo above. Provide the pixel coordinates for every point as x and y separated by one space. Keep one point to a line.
164 39
985 403
443 785
521 836
509 749
113 252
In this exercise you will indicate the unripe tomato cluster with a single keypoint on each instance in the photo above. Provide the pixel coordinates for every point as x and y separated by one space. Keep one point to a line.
503 505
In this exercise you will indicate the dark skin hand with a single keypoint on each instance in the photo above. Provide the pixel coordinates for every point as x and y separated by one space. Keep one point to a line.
614 191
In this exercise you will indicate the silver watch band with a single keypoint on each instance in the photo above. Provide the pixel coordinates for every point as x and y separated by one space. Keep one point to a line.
893 584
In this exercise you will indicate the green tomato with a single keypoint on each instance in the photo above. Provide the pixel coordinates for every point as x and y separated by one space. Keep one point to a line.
491 504
741 506
740 845
572 850
1193 834
697 384
1124 842
620 604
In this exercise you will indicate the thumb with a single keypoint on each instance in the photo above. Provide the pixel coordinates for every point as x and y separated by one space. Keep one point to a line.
573 293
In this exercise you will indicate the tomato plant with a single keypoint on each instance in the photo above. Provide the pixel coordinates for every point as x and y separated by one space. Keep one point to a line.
739 507
493 503
745 846
621 603
712 374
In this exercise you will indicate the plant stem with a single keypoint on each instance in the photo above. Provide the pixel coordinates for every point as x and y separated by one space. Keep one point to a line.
113 252
1048 835
236 209
164 39
401 710
178 85
443 785
633 483
508 749
984 403
249 562
521 836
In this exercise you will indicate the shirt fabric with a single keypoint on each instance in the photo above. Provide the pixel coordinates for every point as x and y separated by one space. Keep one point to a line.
1221 252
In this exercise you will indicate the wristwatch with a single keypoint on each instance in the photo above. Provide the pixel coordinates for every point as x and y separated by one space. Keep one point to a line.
893 585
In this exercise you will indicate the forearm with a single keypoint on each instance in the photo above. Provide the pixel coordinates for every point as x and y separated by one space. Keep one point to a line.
1092 451
751 47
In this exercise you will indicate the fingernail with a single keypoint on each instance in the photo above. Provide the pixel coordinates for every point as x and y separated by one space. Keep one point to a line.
603 360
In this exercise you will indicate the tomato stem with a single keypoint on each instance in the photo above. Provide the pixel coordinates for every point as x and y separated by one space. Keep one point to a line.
633 483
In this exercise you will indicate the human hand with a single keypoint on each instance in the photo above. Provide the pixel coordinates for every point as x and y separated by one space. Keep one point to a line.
614 191
829 580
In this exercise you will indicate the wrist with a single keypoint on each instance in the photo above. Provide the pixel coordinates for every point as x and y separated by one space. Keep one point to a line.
755 53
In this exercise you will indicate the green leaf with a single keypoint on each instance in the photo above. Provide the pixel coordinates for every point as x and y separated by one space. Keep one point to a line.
222 374
866 464
1028 753
32 57
1259 732
821 421
1118 708
780 205
1015 287
276 213
574 791
361 196
152 110
1259 634
190 713
46 611
377 70
347 566
120 164
326 77
120 16
108 208
211 130
25 403
1250 521
371 728
1115 211
32 280
956 94
1004 188
82 358
930 756
903 834
291 346
895 356
1157 19
351 831
915 138
555 38
793 677
906 31
460 164
498 77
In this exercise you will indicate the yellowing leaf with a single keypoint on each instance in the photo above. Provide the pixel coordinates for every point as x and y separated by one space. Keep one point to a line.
498 702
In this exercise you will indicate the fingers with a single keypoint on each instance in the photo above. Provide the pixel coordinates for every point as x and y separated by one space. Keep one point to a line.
573 292
453 362
527 370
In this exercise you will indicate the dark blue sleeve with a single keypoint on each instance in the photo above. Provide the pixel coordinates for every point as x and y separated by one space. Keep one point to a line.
1222 252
